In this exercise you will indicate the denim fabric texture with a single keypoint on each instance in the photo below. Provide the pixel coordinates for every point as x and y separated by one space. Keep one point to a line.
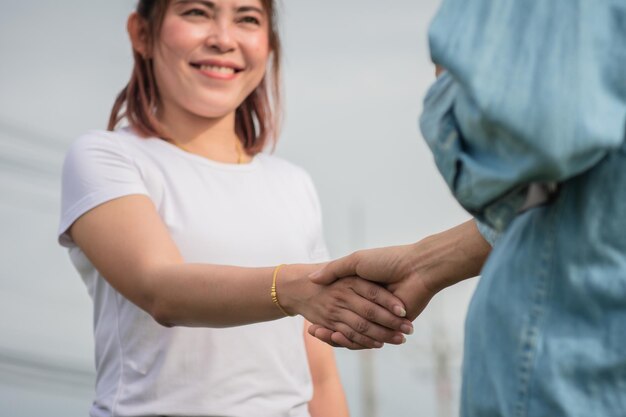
535 91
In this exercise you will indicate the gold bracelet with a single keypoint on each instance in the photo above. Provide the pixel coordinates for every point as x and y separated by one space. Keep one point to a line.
273 292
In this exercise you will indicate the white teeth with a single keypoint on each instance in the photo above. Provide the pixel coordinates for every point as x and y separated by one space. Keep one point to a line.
221 70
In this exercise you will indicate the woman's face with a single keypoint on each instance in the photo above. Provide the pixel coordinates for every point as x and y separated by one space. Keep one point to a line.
210 55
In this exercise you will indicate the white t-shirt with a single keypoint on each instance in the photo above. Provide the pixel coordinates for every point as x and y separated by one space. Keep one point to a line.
259 214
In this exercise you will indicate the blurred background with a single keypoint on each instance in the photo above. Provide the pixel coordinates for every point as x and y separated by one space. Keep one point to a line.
355 75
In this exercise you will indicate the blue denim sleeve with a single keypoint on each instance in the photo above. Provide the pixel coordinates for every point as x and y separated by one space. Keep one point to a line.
488 233
535 91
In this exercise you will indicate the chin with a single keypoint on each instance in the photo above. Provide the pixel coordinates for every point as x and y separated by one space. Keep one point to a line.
213 111
213 108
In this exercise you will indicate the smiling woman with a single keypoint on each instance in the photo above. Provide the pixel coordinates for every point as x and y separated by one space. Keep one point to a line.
185 33
179 224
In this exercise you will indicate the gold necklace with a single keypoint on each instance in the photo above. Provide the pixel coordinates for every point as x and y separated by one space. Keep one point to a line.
239 152
237 146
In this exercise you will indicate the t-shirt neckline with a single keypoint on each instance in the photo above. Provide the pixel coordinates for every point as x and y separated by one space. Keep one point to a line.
197 158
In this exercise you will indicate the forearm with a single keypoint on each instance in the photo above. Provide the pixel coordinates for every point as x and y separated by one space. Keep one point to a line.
221 296
329 400
449 257
199 295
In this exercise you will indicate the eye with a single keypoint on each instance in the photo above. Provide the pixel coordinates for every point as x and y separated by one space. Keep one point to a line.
195 12
251 20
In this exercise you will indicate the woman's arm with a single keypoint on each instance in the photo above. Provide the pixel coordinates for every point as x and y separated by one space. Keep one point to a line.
128 243
329 399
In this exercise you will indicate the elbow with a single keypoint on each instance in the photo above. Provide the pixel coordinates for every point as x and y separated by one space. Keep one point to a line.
161 311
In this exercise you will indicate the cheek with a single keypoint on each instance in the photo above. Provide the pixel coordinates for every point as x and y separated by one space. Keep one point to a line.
258 49
171 53
178 39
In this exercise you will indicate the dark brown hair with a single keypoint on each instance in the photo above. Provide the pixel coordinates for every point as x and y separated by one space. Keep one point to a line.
257 119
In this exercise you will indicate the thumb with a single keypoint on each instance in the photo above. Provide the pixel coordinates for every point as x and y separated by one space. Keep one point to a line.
340 268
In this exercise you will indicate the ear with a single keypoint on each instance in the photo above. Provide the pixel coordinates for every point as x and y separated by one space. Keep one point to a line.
138 33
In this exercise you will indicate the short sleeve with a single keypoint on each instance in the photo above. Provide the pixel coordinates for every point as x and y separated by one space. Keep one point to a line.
96 170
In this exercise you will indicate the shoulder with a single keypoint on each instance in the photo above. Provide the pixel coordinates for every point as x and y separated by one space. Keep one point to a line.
98 152
101 146
101 140
92 144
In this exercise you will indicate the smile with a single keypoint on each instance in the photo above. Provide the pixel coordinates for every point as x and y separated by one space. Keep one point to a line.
214 68
217 70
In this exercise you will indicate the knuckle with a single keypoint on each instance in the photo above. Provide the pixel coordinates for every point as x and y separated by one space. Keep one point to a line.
351 335
333 313
339 298
373 292
362 326
370 314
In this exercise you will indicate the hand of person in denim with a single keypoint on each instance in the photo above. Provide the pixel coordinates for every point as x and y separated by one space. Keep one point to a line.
414 273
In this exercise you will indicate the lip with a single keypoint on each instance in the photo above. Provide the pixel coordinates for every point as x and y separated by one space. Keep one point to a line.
197 65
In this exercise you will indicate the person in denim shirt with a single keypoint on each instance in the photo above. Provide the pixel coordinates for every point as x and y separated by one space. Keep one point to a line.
532 102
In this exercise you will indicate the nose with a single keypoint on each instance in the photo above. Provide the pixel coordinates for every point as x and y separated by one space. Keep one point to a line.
221 37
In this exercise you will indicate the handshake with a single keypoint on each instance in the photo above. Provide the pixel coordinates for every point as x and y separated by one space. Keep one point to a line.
372 296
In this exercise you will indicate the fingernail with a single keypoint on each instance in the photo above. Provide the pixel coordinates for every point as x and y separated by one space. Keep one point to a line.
378 345
406 329
399 311
399 339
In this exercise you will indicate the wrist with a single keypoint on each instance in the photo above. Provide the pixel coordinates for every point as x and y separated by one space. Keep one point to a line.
293 286
446 258
426 261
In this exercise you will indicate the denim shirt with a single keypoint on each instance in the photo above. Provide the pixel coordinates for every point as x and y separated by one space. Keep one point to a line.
535 92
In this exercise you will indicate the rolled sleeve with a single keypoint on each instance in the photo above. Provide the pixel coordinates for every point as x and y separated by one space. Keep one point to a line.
534 92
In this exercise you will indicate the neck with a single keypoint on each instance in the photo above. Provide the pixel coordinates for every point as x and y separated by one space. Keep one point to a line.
212 138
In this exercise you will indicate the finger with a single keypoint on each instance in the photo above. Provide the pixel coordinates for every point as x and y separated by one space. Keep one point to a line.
353 339
313 328
375 321
417 298
364 332
340 340
322 334
340 268
384 298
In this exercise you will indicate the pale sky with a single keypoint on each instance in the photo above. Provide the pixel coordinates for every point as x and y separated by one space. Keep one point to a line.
355 72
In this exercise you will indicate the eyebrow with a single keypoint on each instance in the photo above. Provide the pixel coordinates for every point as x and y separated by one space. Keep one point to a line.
211 5
206 3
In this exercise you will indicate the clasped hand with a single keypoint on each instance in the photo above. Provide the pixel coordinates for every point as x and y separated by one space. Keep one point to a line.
412 273
391 269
